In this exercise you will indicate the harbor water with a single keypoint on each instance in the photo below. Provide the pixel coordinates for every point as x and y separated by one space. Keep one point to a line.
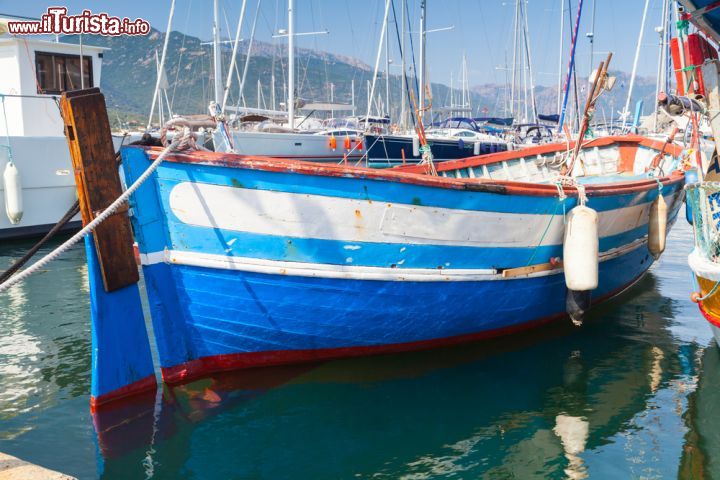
630 394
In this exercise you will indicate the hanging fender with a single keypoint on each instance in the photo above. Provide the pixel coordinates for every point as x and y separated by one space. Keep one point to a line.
13 193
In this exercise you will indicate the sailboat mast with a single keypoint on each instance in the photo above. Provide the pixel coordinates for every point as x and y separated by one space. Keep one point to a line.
560 55
626 111
387 67
659 85
514 62
291 64
402 63
233 59
217 65
526 34
591 37
421 93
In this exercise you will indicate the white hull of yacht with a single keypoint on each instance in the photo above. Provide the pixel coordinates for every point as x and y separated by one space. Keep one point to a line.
47 181
298 146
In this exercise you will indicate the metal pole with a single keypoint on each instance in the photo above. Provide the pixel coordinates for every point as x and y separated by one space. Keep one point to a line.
659 82
291 64
228 82
402 62
162 63
421 93
514 62
387 67
529 64
591 36
352 94
377 60
560 55
272 87
626 110
216 53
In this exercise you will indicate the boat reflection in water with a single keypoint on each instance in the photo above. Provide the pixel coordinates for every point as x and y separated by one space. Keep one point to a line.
702 442
540 405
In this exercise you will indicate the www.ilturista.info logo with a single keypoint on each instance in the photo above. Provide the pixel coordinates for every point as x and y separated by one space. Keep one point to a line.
57 21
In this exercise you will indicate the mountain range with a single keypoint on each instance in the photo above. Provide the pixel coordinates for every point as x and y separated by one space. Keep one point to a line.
130 71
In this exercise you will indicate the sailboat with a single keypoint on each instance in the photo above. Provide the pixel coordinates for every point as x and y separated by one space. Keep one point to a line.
393 149
285 140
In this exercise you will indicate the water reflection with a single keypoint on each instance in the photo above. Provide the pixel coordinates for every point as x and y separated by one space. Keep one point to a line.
611 400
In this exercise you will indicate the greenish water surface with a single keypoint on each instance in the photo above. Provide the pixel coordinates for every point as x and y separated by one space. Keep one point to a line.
631 394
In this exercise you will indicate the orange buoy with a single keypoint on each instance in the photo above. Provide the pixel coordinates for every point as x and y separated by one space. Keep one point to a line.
695 297
348 144
333 142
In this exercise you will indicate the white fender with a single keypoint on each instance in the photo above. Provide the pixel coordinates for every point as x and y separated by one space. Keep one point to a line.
657 226
416 147
476 148
580 249
13 193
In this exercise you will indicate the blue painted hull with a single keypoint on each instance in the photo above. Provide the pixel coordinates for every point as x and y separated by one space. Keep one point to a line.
250 264
201 312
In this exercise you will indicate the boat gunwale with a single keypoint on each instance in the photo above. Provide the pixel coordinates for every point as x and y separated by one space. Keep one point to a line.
401 175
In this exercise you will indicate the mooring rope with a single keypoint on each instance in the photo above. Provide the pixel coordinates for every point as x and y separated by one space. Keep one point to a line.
180 142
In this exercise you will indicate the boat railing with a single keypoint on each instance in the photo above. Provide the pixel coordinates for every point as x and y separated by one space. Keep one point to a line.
704 201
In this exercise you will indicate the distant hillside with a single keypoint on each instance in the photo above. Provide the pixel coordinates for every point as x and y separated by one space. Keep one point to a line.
129 75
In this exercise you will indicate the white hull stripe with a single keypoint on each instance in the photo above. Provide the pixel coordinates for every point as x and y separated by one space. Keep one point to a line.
277 267
350 220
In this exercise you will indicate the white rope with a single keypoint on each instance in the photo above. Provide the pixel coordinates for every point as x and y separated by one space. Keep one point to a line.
35 267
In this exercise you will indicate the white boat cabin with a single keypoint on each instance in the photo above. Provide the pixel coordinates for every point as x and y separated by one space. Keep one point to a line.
34 73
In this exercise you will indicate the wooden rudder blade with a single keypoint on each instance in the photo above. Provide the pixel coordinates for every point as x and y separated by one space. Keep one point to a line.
87 129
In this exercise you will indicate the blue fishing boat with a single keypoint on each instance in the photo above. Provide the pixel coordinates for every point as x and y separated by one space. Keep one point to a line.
258 261
253 261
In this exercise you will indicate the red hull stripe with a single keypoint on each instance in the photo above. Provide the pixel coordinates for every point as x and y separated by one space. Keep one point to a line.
146 384
201 367
709 316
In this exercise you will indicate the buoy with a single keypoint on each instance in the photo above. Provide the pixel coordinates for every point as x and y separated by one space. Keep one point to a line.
695 297
476 148
13 193
416 147
657 226
580 249
333 142
580 260
359 144
348 145
461 144
691 176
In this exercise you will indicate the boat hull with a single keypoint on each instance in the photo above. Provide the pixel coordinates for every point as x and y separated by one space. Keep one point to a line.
710 308
48 184
299 146
256 262
209 320
389 150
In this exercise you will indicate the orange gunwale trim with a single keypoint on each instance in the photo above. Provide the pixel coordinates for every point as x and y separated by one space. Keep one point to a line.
405 175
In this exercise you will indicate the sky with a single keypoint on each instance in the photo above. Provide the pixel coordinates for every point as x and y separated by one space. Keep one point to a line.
483 30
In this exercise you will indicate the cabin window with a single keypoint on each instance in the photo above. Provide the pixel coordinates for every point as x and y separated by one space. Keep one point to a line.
58 72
